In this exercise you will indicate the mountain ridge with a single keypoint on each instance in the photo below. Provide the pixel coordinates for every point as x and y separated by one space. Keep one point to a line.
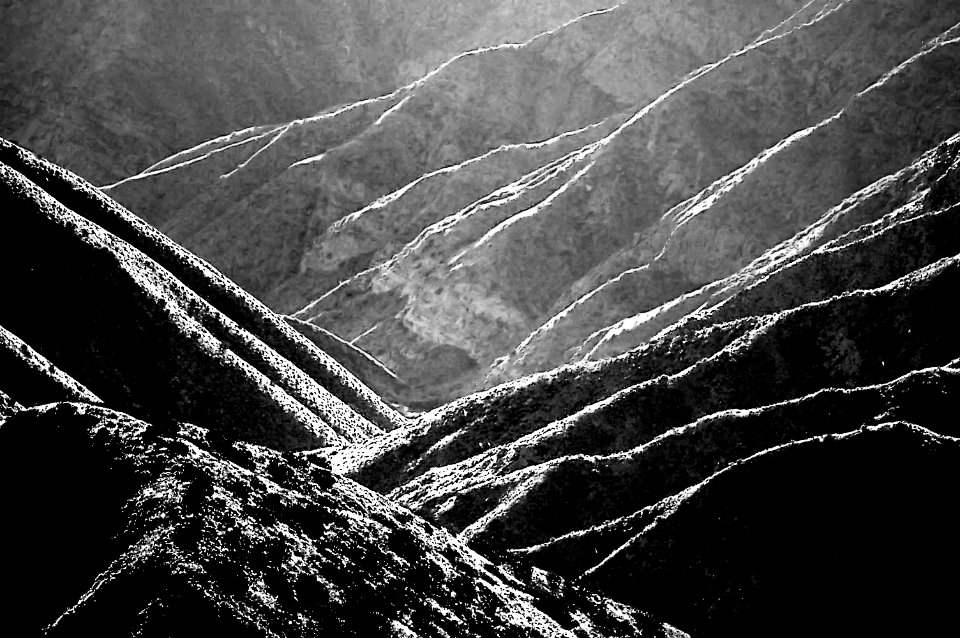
167 74
640 327
411 283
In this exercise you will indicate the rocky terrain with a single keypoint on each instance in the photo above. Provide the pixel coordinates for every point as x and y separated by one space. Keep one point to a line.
675 284
200 517
526 207
843 345
151 328
187 534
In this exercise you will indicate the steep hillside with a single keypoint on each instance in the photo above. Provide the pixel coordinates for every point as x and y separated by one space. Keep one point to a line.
697 263
129 82
98 304
279 209
633 483
588 243
733 221
797 541
847 324
183 533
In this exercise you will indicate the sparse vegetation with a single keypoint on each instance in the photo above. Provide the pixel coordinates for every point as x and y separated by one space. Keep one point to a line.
735 226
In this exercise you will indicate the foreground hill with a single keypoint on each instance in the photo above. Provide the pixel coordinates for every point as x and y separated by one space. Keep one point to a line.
178 523
177 532
107 87
797 541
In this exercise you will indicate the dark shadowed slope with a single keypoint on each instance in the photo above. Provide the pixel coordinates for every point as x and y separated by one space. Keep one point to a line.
176 532
166 337
8 406
627 486
207 282
837 535
615 487
30 379
628 222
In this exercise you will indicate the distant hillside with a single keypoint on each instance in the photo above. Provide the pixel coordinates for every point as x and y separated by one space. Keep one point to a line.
530 206
107 87
291 211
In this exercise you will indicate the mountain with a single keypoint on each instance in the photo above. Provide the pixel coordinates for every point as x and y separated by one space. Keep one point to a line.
183 535
642 326
202 519
515 210
129 83
123 314
817 390
636 531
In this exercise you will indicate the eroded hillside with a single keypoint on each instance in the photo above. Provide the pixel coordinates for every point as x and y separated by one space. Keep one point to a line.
846 327
291 211
526 207
185 533
697 263
123 314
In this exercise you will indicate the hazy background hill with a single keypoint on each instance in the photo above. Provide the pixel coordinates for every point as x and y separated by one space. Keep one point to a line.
106 88
674 282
